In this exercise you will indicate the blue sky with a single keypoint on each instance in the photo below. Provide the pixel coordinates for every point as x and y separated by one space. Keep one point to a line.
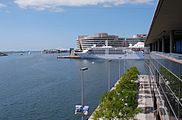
42 24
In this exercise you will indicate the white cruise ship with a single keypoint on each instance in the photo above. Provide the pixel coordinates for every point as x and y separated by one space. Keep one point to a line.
109 52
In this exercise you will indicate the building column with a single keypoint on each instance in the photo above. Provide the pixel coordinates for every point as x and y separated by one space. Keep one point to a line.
162 44
158 45
171 41
152 47
155 45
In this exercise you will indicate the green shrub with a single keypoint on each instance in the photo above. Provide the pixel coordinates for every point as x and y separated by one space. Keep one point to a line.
121 102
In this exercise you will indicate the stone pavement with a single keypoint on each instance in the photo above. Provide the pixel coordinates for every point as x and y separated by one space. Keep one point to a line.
145 100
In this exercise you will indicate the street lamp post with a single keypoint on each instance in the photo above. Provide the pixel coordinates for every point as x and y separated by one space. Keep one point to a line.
109 75
124 62
82 86
120 67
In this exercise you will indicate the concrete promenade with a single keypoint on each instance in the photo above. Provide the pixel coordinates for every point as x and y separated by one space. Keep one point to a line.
145 99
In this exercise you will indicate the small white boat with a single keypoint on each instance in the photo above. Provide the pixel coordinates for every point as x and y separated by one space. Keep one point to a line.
29 53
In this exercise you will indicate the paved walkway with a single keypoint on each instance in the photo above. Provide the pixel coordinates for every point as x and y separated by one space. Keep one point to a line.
145 99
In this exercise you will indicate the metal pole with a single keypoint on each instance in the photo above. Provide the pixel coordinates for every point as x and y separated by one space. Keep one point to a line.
109 76
124 63
82 87
82 92
119 67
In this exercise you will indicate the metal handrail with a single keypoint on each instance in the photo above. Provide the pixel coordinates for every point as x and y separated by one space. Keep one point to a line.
168 70
168 86
159 93
164 95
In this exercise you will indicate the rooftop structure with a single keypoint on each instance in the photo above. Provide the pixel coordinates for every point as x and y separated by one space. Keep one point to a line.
165 33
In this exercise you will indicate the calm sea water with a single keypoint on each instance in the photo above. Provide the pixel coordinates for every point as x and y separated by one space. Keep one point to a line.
42 87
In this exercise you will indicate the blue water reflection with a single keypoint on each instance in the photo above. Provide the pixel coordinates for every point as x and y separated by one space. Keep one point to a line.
42 87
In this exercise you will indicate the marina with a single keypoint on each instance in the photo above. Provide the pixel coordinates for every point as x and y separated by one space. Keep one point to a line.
91 60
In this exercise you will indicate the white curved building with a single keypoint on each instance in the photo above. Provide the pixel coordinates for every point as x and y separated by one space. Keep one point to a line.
87 41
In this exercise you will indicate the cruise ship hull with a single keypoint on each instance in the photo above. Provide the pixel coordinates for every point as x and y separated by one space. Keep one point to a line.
138 55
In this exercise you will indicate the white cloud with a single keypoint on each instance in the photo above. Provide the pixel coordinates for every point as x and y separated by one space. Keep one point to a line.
56 5
2 5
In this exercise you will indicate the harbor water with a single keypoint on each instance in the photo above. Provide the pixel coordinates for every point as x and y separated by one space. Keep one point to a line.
42 87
